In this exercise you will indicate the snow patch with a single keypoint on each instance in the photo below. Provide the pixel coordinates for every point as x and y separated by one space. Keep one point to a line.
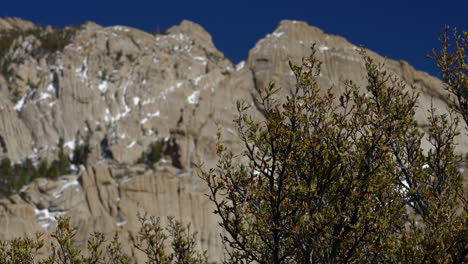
240 65
103 86
202 59
83 71
136 100
121 28
44 96
278 34
45 217
169 90
122 223
51 87
19 105
198 79
193 98
147 101
70 144
323 48
67 185
131 144
157 113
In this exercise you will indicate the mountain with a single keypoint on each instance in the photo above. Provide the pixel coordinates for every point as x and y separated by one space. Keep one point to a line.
121 91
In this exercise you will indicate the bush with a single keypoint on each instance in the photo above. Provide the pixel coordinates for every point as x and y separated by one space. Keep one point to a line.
80 153
50 42
151 240
340 180
14 176
154 153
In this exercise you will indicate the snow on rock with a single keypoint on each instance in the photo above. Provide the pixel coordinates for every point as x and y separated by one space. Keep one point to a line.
51 88
44 96
45 217
198 79
278 34
70 144
122 223
136 100
340 55
323 48
202 59
103 86
83 71
67 185
193 98
157 113
240 65
19 105
120 28
169 90
131 144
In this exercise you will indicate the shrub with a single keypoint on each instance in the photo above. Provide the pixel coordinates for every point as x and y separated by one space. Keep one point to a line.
80 153
340 180
154 153
14 176
50 42
151 240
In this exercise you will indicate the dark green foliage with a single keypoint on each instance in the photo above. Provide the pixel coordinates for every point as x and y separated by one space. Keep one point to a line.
62 164
14 176
80 154
56 40
118 55
154 153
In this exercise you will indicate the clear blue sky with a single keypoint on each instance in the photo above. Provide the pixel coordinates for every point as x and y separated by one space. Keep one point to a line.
397 29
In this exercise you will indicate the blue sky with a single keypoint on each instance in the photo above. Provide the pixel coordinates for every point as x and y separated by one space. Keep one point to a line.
397 29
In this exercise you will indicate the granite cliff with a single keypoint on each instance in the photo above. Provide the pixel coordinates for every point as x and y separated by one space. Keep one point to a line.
119 89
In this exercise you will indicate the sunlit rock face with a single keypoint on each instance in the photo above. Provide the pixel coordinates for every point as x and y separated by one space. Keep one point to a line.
120 89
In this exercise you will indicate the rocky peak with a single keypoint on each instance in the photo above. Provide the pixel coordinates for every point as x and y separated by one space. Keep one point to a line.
15 23
197 33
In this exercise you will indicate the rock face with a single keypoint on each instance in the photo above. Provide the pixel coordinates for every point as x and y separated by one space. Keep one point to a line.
120 89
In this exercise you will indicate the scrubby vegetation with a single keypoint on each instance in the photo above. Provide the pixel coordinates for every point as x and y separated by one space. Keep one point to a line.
50 41
150 240
14 176
153 154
